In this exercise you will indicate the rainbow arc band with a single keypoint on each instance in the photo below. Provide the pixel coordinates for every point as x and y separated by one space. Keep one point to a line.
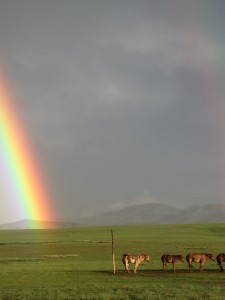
21 170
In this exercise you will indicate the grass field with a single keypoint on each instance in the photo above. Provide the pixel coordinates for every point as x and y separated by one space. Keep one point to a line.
76 263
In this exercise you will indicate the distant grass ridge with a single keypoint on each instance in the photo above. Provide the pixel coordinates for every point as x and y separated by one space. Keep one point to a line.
36 224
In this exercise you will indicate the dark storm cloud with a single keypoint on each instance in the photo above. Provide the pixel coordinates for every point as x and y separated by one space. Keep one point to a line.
113 94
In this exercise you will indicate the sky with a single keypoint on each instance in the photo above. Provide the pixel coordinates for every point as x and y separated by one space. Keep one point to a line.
123 101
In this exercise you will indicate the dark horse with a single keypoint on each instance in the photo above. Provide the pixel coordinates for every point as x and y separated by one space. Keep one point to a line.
166 258
220 258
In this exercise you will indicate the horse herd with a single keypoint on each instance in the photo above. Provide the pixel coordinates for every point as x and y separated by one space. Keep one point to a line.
200 258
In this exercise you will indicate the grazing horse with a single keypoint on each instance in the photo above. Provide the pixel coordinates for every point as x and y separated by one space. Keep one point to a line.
166 258
200 258
220 258
134 259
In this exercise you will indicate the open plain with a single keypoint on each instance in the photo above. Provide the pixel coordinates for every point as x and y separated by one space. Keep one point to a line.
76 263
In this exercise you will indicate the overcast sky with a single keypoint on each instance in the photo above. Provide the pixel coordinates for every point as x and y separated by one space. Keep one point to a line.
123 100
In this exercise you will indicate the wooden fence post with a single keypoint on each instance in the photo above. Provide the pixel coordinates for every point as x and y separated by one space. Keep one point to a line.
113 253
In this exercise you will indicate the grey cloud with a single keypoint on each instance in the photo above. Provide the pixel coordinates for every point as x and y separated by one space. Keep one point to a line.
117 97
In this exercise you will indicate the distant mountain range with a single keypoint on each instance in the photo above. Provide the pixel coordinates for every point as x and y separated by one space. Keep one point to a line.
152 213
155 213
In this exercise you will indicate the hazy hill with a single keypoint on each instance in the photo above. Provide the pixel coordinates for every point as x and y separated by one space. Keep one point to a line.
33 224
152 213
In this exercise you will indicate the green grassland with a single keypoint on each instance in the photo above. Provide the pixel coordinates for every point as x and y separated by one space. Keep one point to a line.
77 263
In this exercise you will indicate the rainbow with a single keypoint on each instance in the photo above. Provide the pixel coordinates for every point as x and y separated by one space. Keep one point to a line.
19 168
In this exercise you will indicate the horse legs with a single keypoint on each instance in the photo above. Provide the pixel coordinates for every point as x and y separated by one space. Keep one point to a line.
219 261
173 267
201 266
127 267
190 267
221 267
135 267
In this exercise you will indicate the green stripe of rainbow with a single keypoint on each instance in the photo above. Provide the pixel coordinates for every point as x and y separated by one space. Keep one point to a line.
21 170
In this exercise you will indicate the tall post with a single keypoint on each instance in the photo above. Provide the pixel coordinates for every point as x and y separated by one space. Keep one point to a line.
113 253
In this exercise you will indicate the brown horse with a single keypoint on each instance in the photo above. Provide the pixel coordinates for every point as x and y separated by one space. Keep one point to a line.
166 258
200 258
220 258
134 259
